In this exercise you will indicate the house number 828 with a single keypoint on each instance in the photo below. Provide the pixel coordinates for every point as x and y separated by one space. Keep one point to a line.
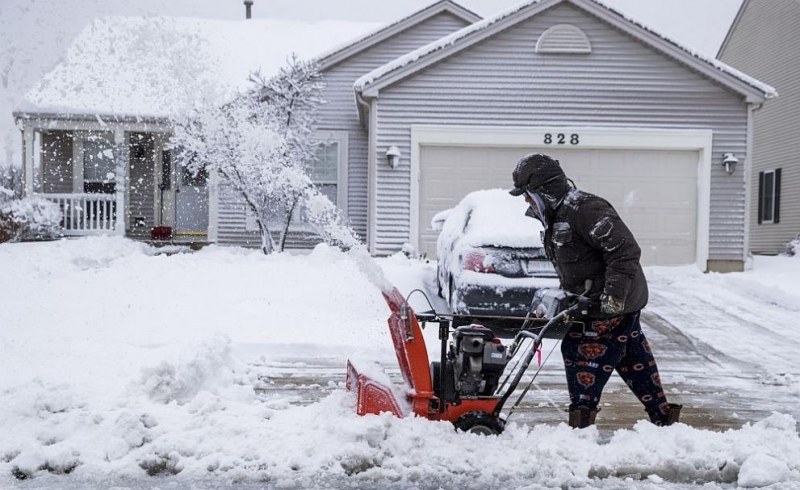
561 139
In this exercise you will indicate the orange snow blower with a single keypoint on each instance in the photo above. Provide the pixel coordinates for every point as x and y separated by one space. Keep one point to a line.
465 386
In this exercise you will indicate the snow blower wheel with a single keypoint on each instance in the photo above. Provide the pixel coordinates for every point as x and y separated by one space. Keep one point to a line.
480 423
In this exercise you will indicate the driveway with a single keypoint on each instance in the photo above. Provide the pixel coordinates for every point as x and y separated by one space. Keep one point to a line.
721 385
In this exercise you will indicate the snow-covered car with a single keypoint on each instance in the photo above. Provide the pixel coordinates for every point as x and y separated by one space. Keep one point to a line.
490 255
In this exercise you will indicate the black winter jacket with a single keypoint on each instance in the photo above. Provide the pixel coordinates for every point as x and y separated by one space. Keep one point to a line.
586 239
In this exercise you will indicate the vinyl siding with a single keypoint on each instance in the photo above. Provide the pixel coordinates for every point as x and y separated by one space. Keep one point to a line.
57 162
765 44
141 185
622 83
340 113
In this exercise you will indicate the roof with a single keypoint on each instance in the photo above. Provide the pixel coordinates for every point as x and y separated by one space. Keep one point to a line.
379 35
370 84
155 66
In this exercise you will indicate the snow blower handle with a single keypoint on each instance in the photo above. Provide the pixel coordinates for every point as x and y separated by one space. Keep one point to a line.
526 361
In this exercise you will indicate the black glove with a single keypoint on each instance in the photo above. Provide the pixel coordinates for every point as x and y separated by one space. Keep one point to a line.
610 305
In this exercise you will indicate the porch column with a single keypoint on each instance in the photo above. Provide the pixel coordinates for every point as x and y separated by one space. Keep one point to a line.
120 181
27 157
213 206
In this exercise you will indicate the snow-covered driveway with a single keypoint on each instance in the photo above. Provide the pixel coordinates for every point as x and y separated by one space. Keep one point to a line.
118 363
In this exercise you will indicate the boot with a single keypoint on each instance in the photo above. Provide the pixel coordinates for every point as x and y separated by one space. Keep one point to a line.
674 414
662 419
581 417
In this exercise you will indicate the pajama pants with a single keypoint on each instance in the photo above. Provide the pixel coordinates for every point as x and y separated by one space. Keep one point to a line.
593 350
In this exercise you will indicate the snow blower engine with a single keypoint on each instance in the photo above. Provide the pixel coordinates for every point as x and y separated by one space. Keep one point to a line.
475 362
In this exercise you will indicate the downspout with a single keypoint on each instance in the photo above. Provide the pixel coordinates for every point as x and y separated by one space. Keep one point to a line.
369 108
752 107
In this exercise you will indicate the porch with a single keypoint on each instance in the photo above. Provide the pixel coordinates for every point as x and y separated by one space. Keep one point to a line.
114 178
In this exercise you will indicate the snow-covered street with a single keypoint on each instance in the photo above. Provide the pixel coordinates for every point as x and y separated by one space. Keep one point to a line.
124 365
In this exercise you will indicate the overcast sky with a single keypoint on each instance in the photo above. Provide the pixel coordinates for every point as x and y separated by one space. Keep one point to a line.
34 34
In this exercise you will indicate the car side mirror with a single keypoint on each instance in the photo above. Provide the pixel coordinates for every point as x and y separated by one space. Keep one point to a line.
437 222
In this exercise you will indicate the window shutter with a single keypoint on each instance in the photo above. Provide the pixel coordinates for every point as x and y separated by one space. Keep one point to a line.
776 213
760 196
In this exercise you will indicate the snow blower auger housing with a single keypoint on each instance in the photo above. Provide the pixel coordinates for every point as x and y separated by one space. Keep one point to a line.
464 386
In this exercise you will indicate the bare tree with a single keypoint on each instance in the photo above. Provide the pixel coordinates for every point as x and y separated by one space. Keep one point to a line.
261 144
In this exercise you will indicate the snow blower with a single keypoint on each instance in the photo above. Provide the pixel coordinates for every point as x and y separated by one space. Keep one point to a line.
464 386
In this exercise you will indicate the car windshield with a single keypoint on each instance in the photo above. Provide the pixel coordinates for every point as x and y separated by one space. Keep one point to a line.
496 218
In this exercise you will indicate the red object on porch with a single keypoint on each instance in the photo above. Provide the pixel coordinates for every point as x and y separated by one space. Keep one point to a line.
161 232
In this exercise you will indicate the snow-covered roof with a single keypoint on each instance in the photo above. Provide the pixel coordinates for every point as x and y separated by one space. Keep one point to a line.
156 66
473 30
381 33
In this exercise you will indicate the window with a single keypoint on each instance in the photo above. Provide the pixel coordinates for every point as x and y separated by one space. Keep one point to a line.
98 163
769 196
324 171
329 170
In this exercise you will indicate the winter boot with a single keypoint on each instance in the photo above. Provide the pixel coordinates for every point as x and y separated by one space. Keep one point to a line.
674 414
581 417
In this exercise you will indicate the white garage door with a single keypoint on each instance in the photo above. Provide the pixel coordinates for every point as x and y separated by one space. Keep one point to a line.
655 192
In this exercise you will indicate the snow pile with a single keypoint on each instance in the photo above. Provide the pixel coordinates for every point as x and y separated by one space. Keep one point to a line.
122 362
793 247
161 66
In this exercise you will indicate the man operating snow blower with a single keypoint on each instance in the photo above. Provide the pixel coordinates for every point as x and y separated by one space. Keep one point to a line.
595 255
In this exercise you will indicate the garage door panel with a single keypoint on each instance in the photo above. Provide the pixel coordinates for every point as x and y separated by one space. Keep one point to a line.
655 192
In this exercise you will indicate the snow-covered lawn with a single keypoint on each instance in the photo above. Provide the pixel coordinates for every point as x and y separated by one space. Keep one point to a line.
118 360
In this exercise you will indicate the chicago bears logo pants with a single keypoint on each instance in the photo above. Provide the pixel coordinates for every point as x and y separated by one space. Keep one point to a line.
592 351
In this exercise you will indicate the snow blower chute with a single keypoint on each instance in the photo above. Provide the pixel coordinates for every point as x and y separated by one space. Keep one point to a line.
466 386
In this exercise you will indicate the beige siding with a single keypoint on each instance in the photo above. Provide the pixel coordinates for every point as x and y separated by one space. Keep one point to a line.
766 44
340 113
622 83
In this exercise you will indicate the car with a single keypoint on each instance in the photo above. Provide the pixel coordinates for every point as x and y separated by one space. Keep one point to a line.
490 256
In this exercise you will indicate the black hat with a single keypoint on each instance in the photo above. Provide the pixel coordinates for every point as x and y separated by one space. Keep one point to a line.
533 171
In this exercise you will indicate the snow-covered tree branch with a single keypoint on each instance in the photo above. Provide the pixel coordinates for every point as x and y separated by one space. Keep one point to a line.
261 144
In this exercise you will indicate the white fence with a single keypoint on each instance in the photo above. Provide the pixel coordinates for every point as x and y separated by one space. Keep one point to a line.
85 214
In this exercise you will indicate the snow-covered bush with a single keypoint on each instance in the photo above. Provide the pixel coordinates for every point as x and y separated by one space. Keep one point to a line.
793 247
262 144
10 181
27 218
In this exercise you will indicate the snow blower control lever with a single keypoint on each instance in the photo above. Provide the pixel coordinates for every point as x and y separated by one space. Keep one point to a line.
464 386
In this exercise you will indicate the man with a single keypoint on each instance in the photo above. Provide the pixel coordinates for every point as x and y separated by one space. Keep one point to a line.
596 255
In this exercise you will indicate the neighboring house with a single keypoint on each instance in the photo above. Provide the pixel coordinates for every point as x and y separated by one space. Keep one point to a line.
446 103
764 41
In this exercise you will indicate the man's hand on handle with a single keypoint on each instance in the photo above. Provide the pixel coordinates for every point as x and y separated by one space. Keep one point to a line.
610 305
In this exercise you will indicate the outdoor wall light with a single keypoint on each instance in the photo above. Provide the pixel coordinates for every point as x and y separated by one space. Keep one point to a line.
729 161
393 156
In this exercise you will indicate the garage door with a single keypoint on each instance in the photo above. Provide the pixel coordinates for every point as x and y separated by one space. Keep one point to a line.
655 192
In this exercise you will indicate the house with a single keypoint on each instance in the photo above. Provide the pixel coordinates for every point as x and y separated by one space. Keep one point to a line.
764 41
441 103
107 107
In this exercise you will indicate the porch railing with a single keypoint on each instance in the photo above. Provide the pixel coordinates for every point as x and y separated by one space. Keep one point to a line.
85 214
